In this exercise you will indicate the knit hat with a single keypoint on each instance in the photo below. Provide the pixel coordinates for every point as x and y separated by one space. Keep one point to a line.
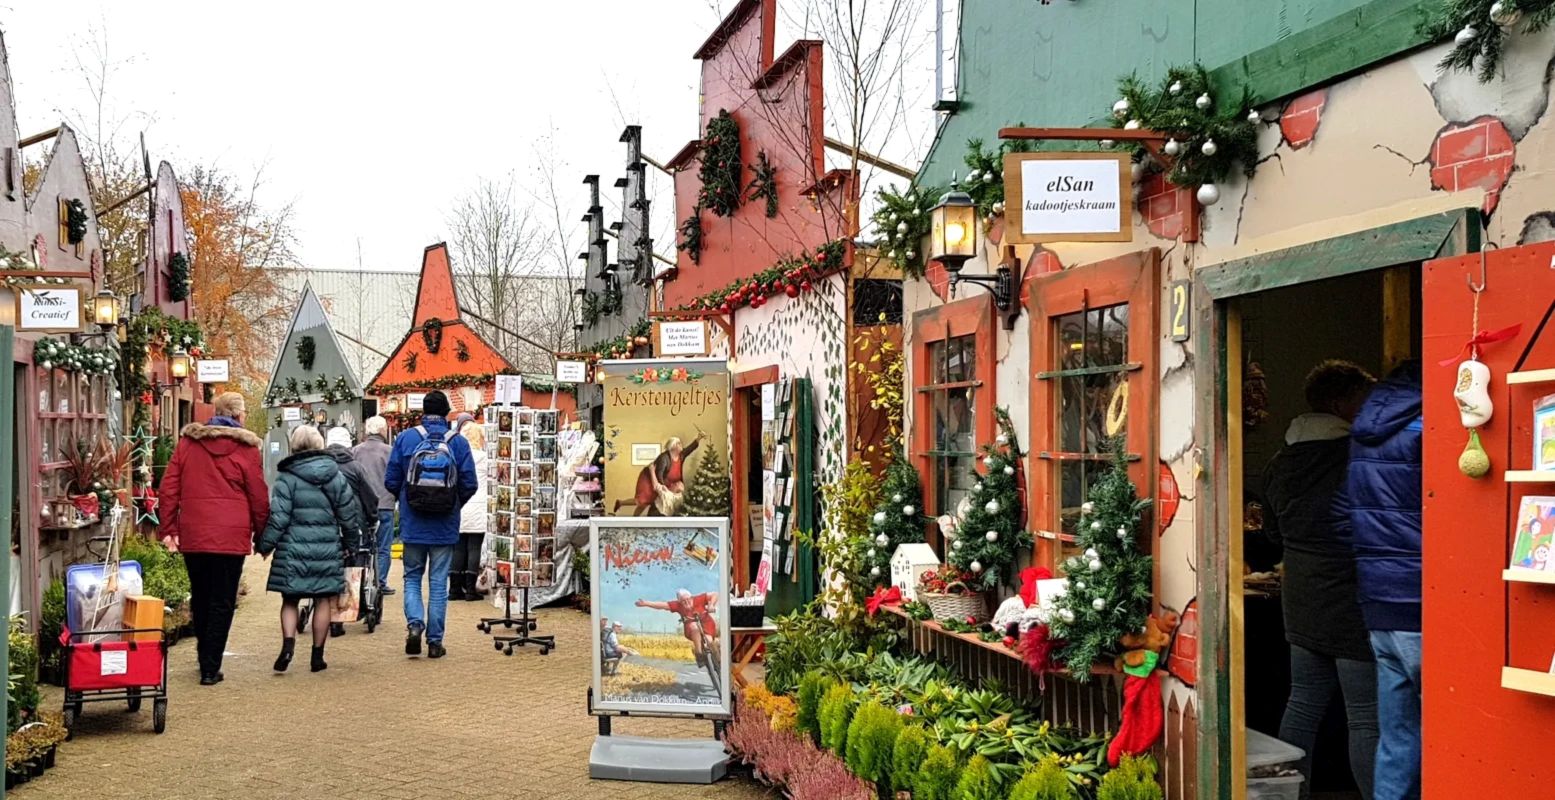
338 435
435 404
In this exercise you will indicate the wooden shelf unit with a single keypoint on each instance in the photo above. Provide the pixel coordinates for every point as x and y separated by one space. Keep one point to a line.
1529 476
1532 376
1528 680
1528 576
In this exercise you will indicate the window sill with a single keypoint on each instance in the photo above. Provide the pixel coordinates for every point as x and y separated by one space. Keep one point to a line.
937 631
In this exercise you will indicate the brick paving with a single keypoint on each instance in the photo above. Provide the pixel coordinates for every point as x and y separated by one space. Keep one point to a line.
375 724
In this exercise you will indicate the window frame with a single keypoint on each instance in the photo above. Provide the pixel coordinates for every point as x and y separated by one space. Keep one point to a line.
972 316
84 420
1133 280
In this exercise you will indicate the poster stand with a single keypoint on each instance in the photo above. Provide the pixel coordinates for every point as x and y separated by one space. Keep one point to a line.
638 758
525 622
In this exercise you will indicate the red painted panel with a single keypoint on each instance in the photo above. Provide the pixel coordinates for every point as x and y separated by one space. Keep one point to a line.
1477 734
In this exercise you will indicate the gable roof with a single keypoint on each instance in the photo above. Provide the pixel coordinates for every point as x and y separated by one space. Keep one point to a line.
309 319
436 295
437 298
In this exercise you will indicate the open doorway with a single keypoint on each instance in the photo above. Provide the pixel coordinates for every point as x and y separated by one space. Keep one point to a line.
1290 592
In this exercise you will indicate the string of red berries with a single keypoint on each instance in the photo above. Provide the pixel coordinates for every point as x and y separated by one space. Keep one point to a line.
791 276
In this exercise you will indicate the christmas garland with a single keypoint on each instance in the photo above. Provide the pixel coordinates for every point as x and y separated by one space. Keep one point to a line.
432 334
178 277
721 170
1207 139
454 381
991 534
903 221
339 392
623 346
321 383
1479 30
410 361
790 276
148 329
764 184
50 353
691 236
611 301
306 351
985 174
461 350
75 221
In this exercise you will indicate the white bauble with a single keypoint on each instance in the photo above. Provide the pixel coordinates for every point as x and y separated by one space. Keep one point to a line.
896 498
971 177
901 227
1209 147
48 365
992 536
1080 585
1120 108
956 545
891 254
1253 116
1131 125
1066 615
1468 34
998 207
1096 526
992 507
1123 534
912 253
975 566
1099 604
1002 438
1172 147
882 540
1209 194
1503 16
1203 101
1087 507
1175 88
1106 143
988 461
874 572
1009 470
977 487
879 517
1091 554
871 552
908 511
1094 566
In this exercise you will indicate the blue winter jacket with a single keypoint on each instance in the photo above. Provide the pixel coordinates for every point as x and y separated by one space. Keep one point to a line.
1379 507
417 528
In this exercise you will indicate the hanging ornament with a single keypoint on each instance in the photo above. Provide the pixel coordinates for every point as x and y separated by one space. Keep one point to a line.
1209 147
1090 552
1120 108
871 552
901 227
1123 533
956 545
1106 143
1087 507
1472 392
976 567
1135 171
992 507
1504 15
1209 194
1099 604
1173 147
988 461
1468 34
1066 615
879 517
977 487
908 511
914 253
1080 585
1094 566
874 572
1254 117
1175 88
991 536
1203 102
896 498
1131 125
1008 470
882 540
1096 525
1002 439
1474 461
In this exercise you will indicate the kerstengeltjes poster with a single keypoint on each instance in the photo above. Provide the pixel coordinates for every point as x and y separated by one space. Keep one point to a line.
661 614
662 417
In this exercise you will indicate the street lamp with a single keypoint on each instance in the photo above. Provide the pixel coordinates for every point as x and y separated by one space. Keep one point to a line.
321 416
105 310
178 364
954 242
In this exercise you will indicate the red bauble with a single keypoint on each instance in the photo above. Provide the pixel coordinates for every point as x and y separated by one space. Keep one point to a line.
791 290
807 286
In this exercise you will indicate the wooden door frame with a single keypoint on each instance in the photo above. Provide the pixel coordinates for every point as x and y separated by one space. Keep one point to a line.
739 464
1217 381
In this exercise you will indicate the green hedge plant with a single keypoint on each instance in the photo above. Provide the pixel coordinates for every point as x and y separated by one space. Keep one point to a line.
912 744
871 737
1046 781
1132 779
936 779
812 688
836 712
978 781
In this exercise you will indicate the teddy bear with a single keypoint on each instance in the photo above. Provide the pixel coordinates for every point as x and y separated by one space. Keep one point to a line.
1137 647
1141 717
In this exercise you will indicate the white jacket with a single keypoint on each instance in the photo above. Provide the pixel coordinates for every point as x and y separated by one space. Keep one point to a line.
472 518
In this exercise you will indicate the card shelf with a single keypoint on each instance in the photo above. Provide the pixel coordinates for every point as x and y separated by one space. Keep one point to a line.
1529 476
1528 576
1532 376
1528 680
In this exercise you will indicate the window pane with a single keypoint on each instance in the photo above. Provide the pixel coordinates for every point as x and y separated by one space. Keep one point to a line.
1110 336
46 449
952 481
1099 391
937 362
63 396
959 429
966 363
1072 489
1071 413
1071 341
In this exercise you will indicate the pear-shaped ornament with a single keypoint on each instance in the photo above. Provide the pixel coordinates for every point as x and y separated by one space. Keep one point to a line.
1474 462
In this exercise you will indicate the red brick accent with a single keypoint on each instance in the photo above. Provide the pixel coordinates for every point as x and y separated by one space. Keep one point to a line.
1162 205
1478 154
938 278
1184 662
1299 120
1043 262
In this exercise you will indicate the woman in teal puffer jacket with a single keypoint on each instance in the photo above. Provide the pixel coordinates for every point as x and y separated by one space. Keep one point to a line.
311 502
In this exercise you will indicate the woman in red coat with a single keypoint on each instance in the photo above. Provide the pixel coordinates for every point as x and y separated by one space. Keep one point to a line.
214 502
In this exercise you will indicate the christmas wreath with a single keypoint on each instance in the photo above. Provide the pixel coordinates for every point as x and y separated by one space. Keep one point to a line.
1480 29
432 334
75 221
306 351
178 277
691 236
903 221
721 169
410 361
764 185
1207 137
461 350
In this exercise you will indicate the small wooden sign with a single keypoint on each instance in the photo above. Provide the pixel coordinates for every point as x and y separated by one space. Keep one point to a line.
1067 197
49 309
572 372
681 337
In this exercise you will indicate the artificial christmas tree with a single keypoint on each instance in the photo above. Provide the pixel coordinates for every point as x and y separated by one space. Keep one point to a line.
992 532
897 520
708 493
1108 593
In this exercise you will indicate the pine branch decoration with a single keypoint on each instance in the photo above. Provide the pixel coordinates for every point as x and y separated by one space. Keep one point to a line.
1480 30
1212 137
691 236
992 533
903 221
178 277
764 184
721 172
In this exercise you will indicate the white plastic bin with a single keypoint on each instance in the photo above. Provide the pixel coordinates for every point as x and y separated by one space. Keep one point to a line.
1264 750
1286 787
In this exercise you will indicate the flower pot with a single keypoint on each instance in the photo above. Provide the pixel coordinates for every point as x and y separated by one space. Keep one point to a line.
48 757
85 503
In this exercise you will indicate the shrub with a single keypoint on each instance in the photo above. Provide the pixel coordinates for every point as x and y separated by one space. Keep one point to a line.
1132 779
978 781
871 737
51 622
907 756
22 684
936 779
162 571
1046 781
836 713
811 689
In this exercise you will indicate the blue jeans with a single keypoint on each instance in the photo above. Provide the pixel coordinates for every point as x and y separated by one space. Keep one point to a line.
385 541
1314 679
1398 714
431 560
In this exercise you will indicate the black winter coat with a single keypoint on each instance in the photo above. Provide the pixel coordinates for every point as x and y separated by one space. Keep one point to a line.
1319 591
362 486
311 502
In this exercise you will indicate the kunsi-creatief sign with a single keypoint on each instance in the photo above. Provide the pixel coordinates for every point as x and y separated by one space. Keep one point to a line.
213 370
1067 197
54 310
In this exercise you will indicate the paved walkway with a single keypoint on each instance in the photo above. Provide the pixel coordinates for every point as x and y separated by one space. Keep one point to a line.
376 724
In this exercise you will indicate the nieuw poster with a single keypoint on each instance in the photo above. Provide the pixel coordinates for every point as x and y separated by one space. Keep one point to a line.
661 614
666 437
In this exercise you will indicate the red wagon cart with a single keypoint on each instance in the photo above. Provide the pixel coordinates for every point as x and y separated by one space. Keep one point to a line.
130 667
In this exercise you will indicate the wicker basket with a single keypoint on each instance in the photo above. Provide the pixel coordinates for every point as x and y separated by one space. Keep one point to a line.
955 606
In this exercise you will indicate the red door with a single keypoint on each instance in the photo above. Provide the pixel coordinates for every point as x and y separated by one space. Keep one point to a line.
1482 739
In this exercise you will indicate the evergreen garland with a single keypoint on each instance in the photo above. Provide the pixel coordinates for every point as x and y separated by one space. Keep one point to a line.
293 392
791 276
898 519
611 302
1110 581
458 380
432 334
50 353
1210 137
1480 28
691 236
764 184
622 346
306 351
75 221
721 172
993 531
321 383
590 308
461 350
904 220
178 277
410 361
985 174
708 493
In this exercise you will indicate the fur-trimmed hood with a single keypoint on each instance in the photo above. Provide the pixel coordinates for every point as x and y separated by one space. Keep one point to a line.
210 434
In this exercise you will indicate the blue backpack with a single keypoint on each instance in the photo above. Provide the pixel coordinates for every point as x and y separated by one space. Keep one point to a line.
432 482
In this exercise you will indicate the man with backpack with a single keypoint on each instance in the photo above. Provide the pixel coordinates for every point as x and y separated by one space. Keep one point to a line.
433 474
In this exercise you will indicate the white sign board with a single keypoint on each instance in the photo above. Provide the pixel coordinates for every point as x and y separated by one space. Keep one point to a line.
415 400
768 402
291 414
212 370
56 310
510 390
687 338
1068 197
572 372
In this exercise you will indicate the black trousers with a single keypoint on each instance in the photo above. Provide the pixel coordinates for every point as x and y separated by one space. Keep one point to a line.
213 596
467 553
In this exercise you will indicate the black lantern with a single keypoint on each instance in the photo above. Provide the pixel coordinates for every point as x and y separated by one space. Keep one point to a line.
955 242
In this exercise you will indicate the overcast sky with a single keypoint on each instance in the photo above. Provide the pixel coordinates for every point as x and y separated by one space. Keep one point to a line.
371 118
